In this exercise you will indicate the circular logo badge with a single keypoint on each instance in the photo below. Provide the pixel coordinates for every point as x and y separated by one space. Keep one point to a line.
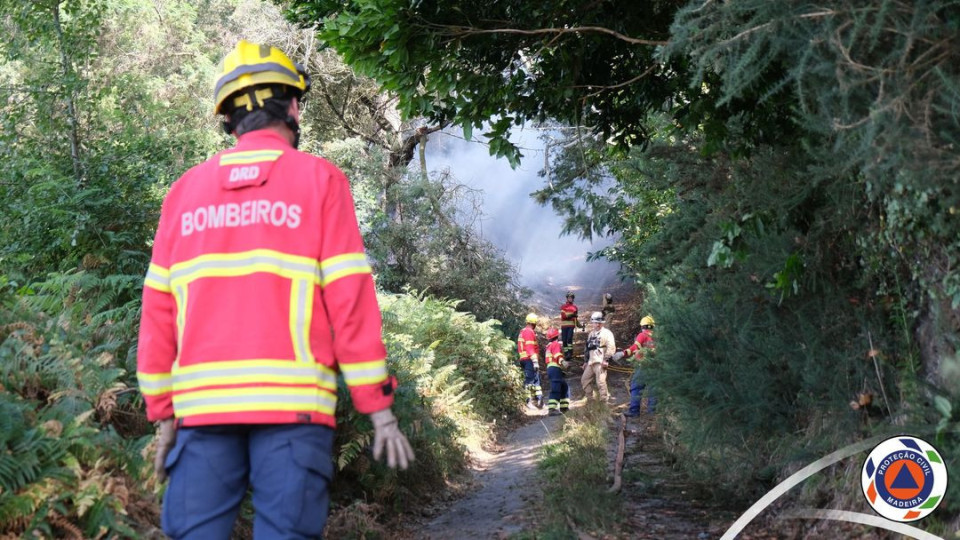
904 478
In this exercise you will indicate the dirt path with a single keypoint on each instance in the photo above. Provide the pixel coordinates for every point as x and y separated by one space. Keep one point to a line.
657 500
506 487
504 498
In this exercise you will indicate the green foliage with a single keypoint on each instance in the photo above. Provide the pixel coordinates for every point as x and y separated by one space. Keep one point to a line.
477 350
419 232
65 399
457 378
505 63
104 104
574 468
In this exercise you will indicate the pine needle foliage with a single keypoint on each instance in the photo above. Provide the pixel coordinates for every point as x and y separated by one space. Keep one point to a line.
873 91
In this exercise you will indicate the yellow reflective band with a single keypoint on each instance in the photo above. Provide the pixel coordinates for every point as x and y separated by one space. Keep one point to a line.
361 373
154 384
343 265
180 298
259 370
245 263
251 156
254 399
301 311
157 278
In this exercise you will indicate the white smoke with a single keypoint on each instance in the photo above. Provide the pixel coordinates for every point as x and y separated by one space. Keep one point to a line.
528 234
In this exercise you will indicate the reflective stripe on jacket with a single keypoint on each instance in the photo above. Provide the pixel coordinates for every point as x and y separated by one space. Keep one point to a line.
259 293
568 314
554 354
527 343
644 340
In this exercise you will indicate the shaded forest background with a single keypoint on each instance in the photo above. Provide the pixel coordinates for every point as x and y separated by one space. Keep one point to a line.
784 179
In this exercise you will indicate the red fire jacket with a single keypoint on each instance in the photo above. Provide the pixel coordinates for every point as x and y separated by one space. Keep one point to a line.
555 354
644 340
568 314
259 293
527 344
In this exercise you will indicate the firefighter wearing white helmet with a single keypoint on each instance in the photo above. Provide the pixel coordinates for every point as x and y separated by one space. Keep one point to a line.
600 348
529 353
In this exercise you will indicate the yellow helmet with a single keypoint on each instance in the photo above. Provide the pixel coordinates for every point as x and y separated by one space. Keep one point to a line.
249 65
532 318
647 321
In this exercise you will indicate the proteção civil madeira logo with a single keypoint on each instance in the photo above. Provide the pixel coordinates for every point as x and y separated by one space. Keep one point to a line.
904 478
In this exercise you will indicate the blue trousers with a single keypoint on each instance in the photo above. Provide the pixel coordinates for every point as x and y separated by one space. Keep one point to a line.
289 468
566 336
636 392
531 379
559 390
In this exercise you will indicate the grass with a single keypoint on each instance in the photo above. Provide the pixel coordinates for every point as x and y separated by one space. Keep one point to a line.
574 470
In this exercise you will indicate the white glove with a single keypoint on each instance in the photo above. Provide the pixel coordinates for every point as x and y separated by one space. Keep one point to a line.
618 356
166 438
386 433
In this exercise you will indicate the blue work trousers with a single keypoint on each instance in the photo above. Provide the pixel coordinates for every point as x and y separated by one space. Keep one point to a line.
531 379
637 386
559 390
288 467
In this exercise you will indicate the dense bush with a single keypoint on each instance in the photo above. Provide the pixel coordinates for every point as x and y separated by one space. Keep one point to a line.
434 352
72 430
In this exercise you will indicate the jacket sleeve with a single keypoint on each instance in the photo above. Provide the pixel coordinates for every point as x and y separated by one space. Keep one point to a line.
610 346
632 349
350 300
157 342
530 344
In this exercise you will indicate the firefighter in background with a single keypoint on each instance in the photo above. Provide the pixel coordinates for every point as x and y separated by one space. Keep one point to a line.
559 401
600 348
642 345
607 308
568 322
530 361
257 295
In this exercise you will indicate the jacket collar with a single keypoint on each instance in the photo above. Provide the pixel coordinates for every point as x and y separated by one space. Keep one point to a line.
262 137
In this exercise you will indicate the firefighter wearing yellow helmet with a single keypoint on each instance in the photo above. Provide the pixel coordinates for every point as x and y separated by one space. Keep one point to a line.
529 353
643 345
254 77
241 373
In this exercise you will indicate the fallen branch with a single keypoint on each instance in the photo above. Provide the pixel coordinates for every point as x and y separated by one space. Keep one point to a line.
618 466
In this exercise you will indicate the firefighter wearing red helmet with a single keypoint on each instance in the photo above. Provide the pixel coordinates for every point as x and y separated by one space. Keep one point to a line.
257 296
559 399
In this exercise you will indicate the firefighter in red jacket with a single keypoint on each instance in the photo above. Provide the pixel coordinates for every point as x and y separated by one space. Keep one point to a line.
258 294
568 322
559 400
642 345
528 351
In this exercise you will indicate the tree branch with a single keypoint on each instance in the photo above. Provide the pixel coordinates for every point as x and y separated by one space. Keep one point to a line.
462 31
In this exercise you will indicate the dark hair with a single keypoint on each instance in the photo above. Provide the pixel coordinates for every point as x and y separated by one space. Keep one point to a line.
274 112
